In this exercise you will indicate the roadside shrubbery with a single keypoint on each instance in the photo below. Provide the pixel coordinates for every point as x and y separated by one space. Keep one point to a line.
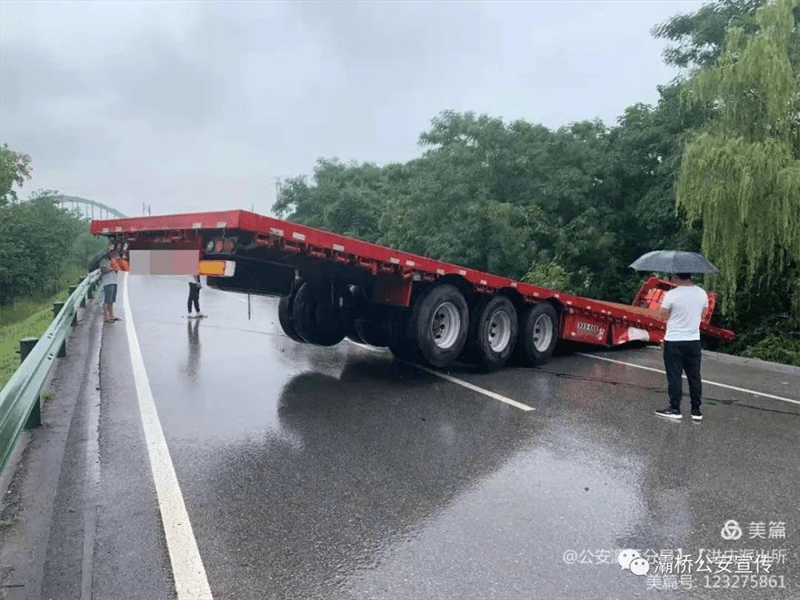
39 243
776 349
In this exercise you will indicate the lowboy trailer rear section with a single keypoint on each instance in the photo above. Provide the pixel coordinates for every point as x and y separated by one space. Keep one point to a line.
332 286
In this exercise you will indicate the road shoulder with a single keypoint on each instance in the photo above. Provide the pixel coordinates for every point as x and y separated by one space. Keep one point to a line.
33 481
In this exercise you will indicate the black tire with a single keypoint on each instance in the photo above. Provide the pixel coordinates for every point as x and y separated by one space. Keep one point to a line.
398 341
353 335
316 319
439 325
371 333
539 333
353 311
492 332
286 320
405 350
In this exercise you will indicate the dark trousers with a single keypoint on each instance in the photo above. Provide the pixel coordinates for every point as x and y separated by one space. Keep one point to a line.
682 357
194 297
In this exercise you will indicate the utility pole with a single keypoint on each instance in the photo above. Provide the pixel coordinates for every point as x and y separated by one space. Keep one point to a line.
277 188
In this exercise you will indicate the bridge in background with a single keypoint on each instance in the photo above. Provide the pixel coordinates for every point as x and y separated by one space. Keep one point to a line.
88 207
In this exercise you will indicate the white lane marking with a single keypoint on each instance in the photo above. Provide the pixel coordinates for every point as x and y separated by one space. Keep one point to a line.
474 388
191 582
723 385
460 382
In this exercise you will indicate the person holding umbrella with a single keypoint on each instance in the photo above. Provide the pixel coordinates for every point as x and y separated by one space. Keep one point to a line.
683 308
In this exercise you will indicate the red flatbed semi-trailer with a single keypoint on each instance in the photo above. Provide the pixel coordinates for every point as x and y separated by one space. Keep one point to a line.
332 286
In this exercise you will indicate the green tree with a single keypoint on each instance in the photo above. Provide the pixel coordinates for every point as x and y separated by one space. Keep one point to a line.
740 172
36 241
15 168
345 198
700 36
468 199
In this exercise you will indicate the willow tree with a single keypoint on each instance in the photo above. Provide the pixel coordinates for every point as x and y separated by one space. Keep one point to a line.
740 172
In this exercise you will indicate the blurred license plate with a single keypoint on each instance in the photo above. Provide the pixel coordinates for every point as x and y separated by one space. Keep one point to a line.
165 262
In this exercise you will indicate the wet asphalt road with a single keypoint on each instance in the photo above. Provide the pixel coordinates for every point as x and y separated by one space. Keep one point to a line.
341 473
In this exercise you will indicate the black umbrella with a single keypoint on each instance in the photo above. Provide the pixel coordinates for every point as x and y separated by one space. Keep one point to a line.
674 261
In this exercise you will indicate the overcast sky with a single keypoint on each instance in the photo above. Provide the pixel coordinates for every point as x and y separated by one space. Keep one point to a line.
201 105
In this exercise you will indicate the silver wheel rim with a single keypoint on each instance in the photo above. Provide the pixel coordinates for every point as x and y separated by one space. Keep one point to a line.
498 331
542 333
445 325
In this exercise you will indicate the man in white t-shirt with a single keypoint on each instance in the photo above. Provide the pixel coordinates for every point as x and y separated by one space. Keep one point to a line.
683 308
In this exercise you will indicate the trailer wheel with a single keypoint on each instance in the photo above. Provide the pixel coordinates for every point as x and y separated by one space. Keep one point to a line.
398 341
371 333
286 320
492 332
316 319
352 313
539 333
439 324
353 335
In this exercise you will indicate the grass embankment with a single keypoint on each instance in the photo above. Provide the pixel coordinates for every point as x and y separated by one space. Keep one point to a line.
26 318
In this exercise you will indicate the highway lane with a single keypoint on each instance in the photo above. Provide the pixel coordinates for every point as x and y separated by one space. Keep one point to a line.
341 473
314 472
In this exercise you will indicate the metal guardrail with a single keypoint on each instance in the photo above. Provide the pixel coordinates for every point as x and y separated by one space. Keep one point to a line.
20 406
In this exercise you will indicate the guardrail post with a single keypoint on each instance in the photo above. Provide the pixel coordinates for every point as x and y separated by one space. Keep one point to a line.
72 289
35 417
88 291
62 352
25 347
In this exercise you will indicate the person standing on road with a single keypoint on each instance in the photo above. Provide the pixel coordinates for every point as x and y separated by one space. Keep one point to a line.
194 296
683 308
108 279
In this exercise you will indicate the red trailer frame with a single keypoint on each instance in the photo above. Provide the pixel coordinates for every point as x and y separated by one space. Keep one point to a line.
267 250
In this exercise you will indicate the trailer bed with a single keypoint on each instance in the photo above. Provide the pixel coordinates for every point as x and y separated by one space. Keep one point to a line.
581 319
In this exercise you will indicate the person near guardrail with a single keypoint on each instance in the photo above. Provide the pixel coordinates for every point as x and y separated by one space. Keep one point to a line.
683 308
108 279
194 297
